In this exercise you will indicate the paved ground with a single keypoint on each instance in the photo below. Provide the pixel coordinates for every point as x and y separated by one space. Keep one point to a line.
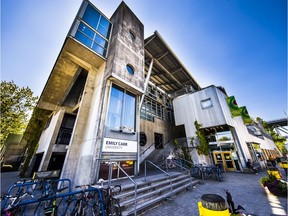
244 188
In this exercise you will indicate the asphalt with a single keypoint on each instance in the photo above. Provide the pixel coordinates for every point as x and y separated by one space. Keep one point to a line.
244 188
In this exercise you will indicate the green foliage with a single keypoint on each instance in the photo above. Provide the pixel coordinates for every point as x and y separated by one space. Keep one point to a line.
186 154
32 135
277 139
263 180
16 106
224 138
176 143
203 146
184 151
274 185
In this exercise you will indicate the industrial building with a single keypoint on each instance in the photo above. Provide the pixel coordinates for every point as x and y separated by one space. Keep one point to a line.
114 95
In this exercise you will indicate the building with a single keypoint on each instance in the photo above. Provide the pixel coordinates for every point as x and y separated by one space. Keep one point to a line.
242 140
110 94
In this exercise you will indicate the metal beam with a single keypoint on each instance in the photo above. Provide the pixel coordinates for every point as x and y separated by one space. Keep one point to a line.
146 83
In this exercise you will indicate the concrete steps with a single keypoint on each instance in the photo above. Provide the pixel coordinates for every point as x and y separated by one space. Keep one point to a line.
152 192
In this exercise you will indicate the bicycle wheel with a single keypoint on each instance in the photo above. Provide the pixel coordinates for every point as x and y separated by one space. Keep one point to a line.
114 208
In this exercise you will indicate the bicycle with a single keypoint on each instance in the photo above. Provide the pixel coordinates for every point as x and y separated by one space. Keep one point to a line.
111 204
13 206
50 205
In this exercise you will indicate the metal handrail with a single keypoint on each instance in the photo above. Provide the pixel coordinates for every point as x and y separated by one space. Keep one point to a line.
189 162
171 188
182 167
146 149
135 192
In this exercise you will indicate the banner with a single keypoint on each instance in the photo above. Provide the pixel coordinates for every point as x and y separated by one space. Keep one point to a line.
116 145
245 116
234 109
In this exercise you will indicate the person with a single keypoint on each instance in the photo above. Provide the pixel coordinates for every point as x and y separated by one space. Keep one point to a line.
250 166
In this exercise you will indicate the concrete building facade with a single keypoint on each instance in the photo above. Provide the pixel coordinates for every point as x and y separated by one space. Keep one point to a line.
112 96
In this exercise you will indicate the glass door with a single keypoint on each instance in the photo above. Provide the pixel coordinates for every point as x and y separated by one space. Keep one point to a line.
225 159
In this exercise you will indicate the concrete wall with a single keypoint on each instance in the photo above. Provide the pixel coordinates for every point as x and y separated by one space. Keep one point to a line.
84 145
158 126
123 50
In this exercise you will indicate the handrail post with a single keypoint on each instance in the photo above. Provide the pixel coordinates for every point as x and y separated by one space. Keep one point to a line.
145 170
110 173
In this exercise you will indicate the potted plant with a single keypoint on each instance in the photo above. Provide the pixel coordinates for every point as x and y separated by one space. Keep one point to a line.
276 186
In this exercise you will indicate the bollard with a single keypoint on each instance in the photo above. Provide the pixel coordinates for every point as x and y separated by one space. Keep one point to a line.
212 205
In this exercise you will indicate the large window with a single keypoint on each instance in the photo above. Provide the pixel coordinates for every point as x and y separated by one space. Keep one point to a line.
122 110
94 30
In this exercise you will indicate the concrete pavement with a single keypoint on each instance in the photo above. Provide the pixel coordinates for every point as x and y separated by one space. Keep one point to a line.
244 188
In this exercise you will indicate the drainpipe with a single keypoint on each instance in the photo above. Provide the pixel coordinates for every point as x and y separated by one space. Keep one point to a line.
146 83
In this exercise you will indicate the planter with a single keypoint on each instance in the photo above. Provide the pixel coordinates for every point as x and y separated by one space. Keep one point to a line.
276 188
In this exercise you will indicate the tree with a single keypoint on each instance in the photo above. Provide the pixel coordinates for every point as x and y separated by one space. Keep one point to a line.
277 139
203 146
17 104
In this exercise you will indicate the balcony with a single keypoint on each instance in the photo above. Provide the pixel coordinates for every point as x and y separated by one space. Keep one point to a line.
64 136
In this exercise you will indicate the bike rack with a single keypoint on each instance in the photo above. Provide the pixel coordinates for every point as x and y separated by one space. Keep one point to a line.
35 204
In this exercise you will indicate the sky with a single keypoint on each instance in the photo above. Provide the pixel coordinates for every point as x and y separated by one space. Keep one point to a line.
240 45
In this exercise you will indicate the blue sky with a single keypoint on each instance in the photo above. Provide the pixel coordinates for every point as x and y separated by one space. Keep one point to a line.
238 44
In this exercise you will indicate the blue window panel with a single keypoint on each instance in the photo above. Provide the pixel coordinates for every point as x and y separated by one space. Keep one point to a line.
104 27
101 41
83 39
86 30
91 16
114 119
129 114
100 50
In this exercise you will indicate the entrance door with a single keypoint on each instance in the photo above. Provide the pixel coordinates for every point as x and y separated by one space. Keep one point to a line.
225 158
158 140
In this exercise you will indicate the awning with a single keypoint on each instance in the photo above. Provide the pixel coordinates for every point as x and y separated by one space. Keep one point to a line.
168 72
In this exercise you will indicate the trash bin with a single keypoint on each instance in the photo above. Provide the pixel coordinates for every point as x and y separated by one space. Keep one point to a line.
212 205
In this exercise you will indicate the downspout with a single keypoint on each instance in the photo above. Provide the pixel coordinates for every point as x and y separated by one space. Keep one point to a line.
146 83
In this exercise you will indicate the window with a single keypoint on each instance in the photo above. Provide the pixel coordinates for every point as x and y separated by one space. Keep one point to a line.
130 69
122 110
132 35
94 19
94 30
207 103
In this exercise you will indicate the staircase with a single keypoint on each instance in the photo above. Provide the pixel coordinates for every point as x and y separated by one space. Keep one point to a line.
150 193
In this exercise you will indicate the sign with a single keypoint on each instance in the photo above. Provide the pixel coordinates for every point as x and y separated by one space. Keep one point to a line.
245 116
234 109
117 145
46 174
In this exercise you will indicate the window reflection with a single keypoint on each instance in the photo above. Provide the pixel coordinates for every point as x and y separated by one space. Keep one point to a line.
121 112
94 30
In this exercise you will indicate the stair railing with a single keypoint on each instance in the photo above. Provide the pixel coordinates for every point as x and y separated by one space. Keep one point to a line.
171 188
146 149
183 168
135 184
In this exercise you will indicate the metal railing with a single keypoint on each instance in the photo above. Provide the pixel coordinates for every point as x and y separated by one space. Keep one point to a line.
127 175
135 184
183 168
146 149
171 187
64 136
